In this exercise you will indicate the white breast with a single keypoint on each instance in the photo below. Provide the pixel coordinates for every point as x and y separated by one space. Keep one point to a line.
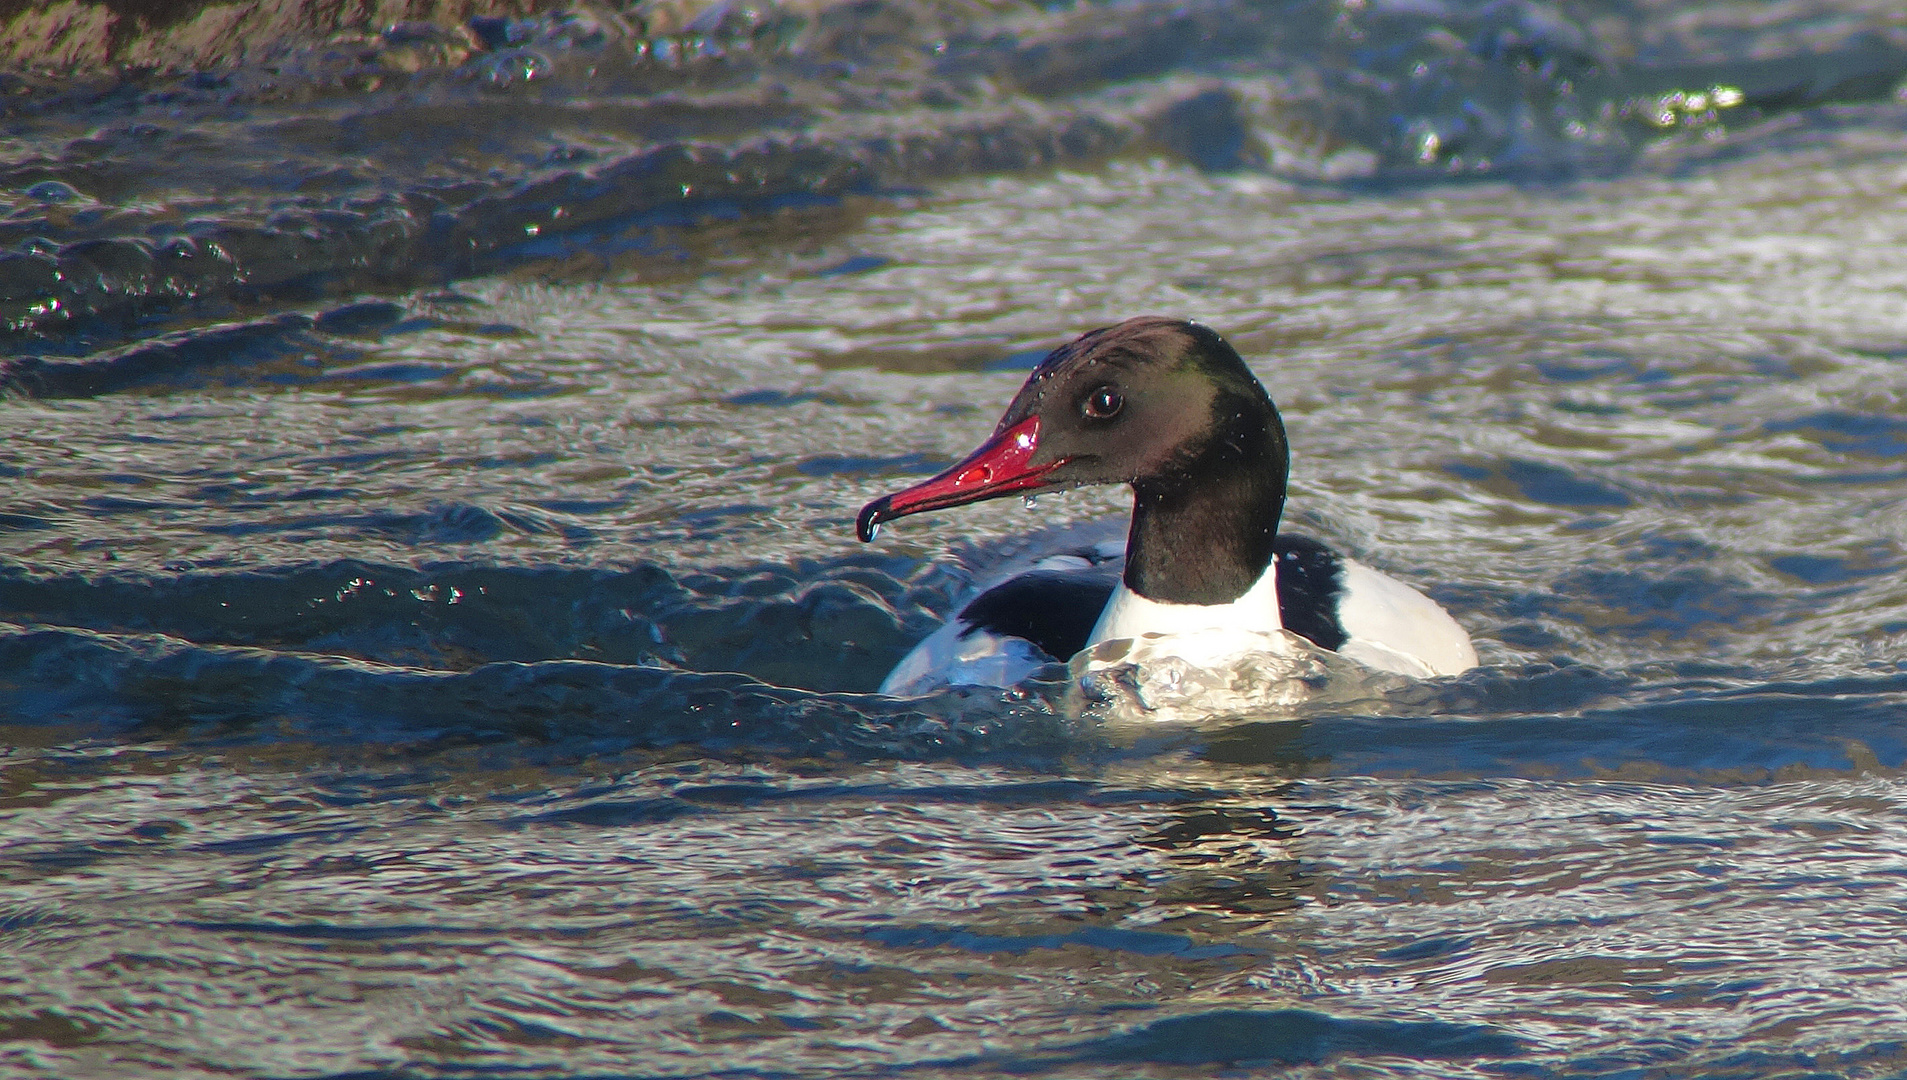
1220 630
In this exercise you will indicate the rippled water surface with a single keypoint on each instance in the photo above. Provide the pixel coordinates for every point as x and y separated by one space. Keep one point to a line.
456 668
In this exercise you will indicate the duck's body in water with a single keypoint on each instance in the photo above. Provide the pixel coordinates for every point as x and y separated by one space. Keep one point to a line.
1169 408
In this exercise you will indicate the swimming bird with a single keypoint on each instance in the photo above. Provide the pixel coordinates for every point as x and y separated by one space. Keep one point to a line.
1168 407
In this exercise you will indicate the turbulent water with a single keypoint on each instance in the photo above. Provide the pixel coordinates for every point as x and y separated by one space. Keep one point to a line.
433 642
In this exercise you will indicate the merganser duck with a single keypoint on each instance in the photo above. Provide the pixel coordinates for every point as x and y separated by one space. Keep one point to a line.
1168 407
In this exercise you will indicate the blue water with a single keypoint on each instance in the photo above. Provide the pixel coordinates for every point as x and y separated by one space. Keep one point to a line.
430 647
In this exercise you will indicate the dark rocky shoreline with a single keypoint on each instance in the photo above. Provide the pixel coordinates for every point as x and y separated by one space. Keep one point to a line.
66 37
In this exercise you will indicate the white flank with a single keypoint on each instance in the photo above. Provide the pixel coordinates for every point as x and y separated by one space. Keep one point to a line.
1392 627
946 658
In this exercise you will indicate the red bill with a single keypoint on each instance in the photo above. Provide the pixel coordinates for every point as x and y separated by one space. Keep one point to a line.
1001 467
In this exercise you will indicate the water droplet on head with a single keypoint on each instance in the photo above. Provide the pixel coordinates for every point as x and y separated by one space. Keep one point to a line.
873 532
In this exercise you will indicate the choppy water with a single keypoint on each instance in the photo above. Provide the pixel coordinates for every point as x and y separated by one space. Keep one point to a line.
458 664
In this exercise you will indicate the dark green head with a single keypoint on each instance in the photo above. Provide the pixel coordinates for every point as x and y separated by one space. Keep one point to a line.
1162 404
1149 402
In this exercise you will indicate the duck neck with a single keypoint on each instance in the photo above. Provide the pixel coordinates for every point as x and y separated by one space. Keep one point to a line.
1203 533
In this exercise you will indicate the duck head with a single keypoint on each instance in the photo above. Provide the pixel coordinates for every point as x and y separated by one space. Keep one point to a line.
1163 405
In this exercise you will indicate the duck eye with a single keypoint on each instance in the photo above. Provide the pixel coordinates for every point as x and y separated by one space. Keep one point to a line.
1103 403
